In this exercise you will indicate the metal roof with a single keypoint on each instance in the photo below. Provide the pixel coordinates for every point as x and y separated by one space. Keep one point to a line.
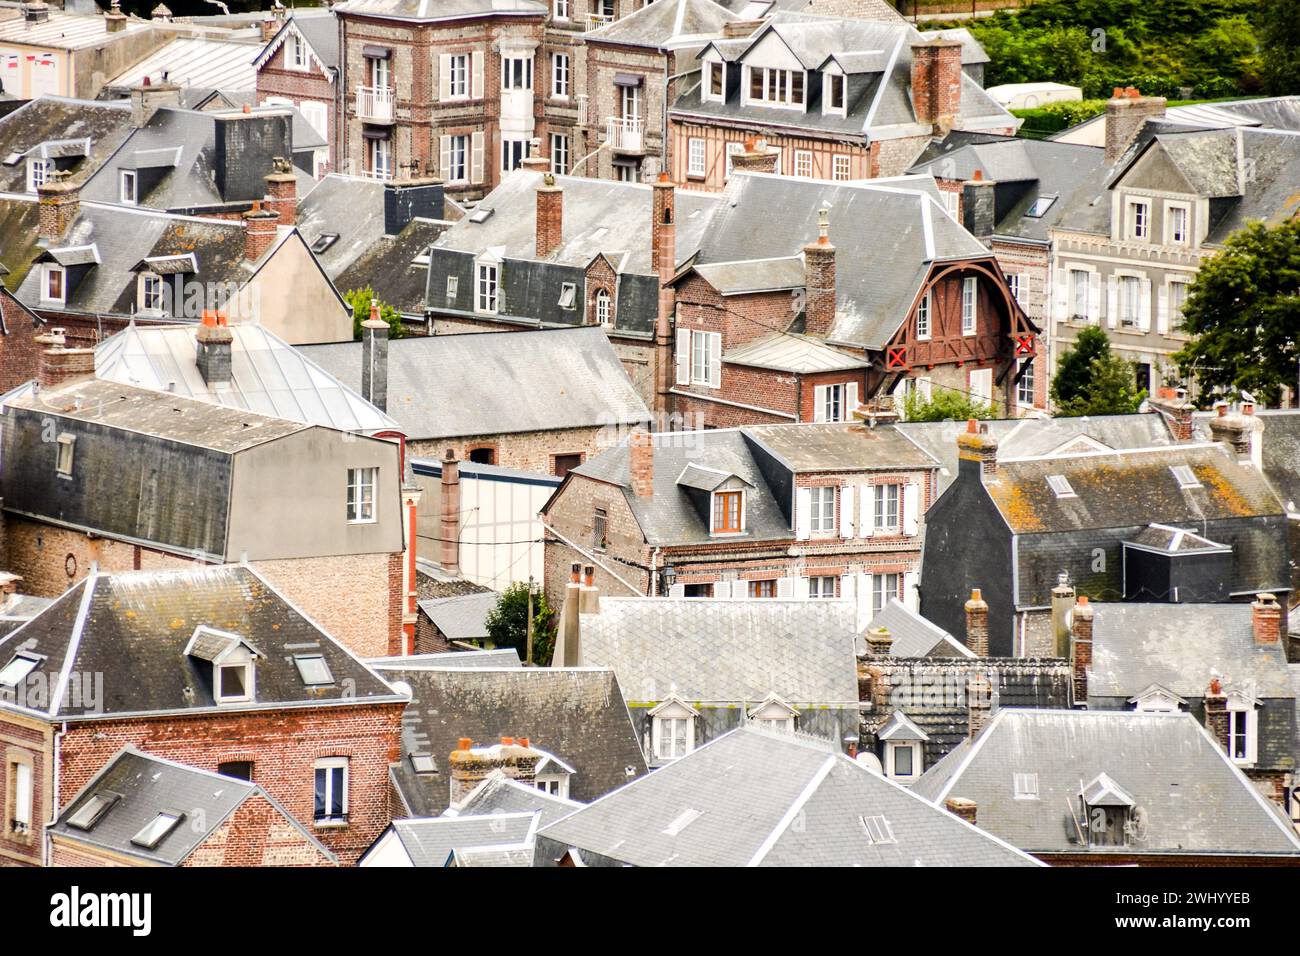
195 62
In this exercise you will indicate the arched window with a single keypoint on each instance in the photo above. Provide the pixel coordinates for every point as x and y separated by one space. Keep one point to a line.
604 308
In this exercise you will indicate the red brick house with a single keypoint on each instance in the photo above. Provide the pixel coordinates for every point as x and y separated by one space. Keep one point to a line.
19 349
210 667
804 322
299 67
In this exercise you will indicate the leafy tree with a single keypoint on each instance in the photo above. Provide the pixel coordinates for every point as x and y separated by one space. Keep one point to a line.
1243 313
1074 370
507 623
360 300
944 405
1280 46
1112 390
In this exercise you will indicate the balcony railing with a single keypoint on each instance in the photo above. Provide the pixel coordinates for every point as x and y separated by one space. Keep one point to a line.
375 104
594 21
625 133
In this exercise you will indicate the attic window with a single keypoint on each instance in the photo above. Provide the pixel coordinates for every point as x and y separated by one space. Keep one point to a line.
1040 206
1186 477
63 464
156 830
17 669
878 830
568 292
93 810
452 285
313 670
480 214
13 159
324 241
423 763
234 682
1060 486
1025 786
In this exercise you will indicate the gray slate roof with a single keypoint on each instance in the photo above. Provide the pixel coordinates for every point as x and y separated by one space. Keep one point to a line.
496 383
703 649
1181 647
134 627
389 263
500 794
840 446
733 802
147 786
1195 800
576 714
439 9
52 118
789 351
665 25
1279 449
462 618
914 636
496 658
431 842
350 207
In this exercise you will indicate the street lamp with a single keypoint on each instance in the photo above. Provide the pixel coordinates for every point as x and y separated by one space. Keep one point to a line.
667 578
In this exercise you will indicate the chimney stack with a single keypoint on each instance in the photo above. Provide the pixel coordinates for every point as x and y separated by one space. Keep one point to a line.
115 19
147 97
449 547
936 83
374 359
641 463
1127 111
1062 600
756 157
663 254
819 280
979 206
1233 429
1266 619
879 641
259 231
1172 403
977 446
60 364
550 216
161 13
471 765
977 624
568 635
408 199
961 807
979 703
60 202
589 600
535 160
1217 721
214 345
1080 648
282 191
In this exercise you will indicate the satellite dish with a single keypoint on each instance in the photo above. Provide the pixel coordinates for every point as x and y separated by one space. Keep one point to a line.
870 761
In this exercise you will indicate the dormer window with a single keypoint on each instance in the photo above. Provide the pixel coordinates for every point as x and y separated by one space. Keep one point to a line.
151 292
769 86
773 714
1060 486
672 729
232 660
716 81
53 284
553 776
1157 700
834 93
728 512
604 308
1110 815
903 745
38 172
297 52
486 297
1243 730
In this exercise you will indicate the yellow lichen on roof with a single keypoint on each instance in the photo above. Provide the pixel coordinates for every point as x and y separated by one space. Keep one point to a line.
1224 492
1016 506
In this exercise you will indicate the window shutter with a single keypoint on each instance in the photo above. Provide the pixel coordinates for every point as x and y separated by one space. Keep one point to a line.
476 158
851 401
801 587
1144 306
846 511
1061 295
722 589
911 502
444 154
715 359
683 356
476 73
740 589
867 526
910 597
677 590
1094 298
847 589
803 513
865 610
819 403
1112 300
784 587
444 76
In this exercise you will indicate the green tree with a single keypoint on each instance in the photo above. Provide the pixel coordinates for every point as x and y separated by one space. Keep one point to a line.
1243 313
359 300
507 623
1112 390
1279 35
1074 370
944 405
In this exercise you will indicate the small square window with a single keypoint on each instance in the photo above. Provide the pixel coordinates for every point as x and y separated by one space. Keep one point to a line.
233 682
1039 207
1025 786
63 465
877 829
568 293
313 670
423 763
453 284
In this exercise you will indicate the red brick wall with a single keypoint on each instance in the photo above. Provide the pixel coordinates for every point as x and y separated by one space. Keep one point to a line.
572 514
283 746
23 740
20 355
275 78
257 834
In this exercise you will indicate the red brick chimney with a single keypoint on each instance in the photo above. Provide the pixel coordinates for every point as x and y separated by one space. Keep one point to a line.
1266 619
550 216
1173 405
936 83
1081 648
1216 715
819 280
975 444
60 364
977 624
59 202
449 547
282 192
663 259
259 231
961 807
979 703
470 765
1233 429
641 463
1127 111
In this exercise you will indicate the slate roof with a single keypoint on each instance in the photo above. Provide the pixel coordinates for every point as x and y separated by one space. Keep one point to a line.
461 618
732 802
914 636
350 207
134 627
431 842
1279 445
198 61
1195 800
519 381
51 118
668 517
896 228
268 376
576 714
665 26
390 263
840 446
146 786
494 659
1128 488
1181 647
500 794
726 651
791 352
439 9
18 609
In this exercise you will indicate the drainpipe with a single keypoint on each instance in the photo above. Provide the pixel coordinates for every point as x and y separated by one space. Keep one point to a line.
54 797
663 159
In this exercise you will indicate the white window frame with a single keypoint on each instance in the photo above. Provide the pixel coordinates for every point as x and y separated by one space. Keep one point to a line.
666 738
823 516
559 76
777 88
834 403
65 456
1171 236
297 57
46 272
151 292
458 74
695 156
514 76
1176 308
829 82
841 168
38 173
381 159
1080 284
706 358
880 590
1128 297
559 154
1243 721
458 147
821 587
1137 218
803 164
706 86
892 747
363 508
713 512
24 798
969 305
328 765
128 187
560 10
880 507
1024 786
514 151
604 308
924 327
1025 385
238 659
487 288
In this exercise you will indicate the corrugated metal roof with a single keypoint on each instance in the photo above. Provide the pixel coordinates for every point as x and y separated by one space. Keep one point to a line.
791 352
66 31
196 62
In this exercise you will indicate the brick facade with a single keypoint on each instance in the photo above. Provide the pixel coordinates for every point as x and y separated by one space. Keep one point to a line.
525 451
19 352
278 80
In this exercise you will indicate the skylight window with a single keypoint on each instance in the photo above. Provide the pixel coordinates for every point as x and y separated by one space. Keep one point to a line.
324 241
93 810
1060 486
682 821
17 669
1186 477
480 215
1040 207
568 292
423 763
1026 786
313 670
878 830
156 830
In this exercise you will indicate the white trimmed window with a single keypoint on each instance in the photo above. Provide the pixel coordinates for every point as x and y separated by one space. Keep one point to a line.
1025 384
457 76
234 678
560 76
1130 301
1015 282
823 509
923 317
821 587
840 168
1176 217
769 86
883 587
715 82
1079 281
54 285
1139 219
63 462
331 790
128 192
151 292
361 495
513 154
560 10
1177 301
456 159
296 53
695 156
832 404
38 171
24 792
886 507
559 154
516 73
969 291
835 93
803 164
381 159
1243 732
1024 786
604 308
672 730
903 759
706 358
487 297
